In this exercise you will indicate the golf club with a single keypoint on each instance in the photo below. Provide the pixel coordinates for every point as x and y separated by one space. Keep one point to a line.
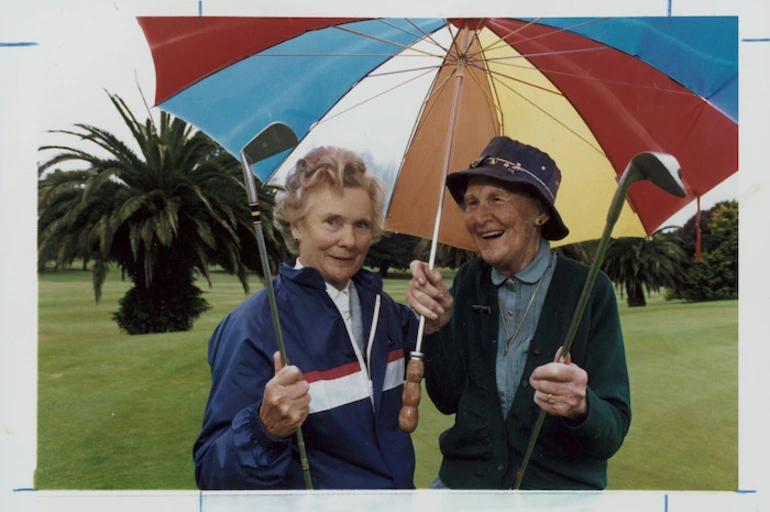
663 171
274 139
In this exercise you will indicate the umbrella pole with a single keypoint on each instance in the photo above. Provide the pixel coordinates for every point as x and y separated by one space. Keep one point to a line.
408 417
251 188
661 170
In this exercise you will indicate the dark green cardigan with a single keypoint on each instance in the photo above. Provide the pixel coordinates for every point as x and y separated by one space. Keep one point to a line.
482 450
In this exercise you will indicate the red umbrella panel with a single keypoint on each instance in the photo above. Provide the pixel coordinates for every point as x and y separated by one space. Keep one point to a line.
421 98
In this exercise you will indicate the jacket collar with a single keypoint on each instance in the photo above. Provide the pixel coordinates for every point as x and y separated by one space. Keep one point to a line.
310 277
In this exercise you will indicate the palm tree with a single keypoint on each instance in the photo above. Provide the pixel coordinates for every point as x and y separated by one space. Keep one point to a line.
583 252
163 216
635 264
58 193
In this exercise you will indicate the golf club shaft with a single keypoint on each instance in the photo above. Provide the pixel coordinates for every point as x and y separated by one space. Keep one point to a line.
281 347
576 317
256 221
618 200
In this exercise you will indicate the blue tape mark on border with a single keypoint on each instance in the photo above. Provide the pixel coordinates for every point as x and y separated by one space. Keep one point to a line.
20 43
745 491
665 502
200 8
756 40
200 501
670 2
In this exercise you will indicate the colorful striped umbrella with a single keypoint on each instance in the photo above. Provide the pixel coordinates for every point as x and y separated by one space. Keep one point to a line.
419 98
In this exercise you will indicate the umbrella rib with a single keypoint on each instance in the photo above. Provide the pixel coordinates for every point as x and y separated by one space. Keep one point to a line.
451 75
574 75
514 79
429 37
340 54
424 35
429 96
382 40
438 87
387 23
427 99
380 93
546 54
567 29
460 53
426 69
522 56
495 101
491 100
502 40
403 71
422 114
554 118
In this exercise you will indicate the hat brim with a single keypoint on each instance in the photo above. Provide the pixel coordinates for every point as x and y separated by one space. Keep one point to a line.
457 183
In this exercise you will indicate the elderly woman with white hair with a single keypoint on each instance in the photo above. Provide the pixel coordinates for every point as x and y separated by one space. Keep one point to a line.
492 350
346 341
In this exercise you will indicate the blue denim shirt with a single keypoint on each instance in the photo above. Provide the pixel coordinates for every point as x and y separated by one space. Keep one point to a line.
515 294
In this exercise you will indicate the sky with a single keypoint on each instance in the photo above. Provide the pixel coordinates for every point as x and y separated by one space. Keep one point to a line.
59 56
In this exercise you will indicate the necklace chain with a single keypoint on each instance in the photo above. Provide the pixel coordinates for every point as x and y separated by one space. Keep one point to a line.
509 337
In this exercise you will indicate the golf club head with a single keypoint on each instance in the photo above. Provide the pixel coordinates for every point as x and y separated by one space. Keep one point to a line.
274 139
661 169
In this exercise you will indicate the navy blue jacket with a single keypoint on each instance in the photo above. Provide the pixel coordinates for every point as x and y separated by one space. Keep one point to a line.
351 434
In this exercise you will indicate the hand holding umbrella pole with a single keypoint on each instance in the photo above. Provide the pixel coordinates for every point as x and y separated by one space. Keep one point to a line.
663 171
274 139
408 417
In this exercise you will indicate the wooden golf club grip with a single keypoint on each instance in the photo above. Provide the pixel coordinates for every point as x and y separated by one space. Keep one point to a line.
408 417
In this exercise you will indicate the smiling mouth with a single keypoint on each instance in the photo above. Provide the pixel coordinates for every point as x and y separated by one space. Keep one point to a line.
490 235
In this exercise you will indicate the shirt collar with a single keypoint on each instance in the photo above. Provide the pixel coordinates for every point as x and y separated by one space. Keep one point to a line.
338 296
532 272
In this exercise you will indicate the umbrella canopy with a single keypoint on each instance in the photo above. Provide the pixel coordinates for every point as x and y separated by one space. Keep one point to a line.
421 98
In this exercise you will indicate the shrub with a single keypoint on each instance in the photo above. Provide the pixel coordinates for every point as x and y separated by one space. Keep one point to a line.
716 276
159 309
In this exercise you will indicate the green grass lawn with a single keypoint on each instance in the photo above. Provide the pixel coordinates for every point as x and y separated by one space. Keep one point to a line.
122 412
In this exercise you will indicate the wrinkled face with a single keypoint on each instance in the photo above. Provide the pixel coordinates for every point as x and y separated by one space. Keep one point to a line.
335 233
504 224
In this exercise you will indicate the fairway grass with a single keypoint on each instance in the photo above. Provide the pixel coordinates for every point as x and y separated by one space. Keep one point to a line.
122 412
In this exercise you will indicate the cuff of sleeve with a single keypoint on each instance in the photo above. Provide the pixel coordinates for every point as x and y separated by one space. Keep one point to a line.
262 445
590 419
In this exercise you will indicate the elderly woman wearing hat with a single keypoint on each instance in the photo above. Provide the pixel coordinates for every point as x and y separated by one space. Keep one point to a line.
492 342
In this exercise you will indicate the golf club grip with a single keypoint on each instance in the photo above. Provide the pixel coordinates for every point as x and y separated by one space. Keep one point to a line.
409 416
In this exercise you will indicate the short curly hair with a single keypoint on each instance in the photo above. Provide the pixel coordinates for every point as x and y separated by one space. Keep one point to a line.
326 166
